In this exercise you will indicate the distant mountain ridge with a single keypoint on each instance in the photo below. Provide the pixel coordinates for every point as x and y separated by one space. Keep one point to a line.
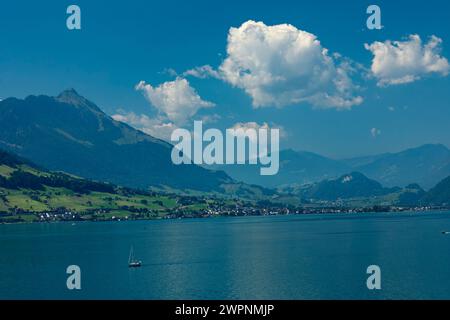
357 187
70 133
425 165
29 189
350 185
296 167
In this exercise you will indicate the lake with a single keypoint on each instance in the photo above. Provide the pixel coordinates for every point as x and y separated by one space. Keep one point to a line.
276 257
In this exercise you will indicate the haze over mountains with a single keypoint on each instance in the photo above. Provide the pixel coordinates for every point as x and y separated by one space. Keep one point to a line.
425 165
71 134
296 168
357 187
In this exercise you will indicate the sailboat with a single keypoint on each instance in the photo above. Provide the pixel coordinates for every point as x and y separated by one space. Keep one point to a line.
132 262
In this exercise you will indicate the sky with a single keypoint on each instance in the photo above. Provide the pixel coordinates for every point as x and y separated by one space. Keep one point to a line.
310 68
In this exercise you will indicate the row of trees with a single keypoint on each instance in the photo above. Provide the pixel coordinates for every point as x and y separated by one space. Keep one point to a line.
21 179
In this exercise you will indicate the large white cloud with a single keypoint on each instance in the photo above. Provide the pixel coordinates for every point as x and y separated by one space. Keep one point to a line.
176 100
398 62
281 65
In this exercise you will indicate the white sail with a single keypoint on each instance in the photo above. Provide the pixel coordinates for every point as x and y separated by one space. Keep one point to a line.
131 257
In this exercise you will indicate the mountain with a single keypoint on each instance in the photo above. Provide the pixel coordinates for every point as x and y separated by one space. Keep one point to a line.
425 165
357 191
69 133
347 186
296 168
439 195
411 195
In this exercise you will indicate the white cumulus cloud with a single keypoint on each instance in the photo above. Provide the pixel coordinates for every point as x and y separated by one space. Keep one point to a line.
176 100
281 65
398 62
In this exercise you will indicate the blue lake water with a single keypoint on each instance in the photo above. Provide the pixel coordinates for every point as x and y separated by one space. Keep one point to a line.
280 257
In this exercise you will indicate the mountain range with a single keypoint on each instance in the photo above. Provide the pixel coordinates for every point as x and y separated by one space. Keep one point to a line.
69 133
356 190
296 168
425 165
31 193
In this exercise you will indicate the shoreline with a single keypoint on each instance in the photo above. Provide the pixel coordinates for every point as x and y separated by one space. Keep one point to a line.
200 216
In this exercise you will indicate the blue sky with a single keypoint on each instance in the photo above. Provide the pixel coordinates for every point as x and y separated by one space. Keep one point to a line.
122 44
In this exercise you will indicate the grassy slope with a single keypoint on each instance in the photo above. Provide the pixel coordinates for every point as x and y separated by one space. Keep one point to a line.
21 202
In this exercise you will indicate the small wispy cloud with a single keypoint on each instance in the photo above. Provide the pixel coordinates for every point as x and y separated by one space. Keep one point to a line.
375 132
203 72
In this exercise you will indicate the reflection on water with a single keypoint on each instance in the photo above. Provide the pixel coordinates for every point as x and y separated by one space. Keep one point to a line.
285 257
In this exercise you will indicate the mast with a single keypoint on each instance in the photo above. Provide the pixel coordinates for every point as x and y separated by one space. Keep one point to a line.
131 258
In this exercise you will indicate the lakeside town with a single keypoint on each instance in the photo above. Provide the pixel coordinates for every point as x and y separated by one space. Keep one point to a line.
211 210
